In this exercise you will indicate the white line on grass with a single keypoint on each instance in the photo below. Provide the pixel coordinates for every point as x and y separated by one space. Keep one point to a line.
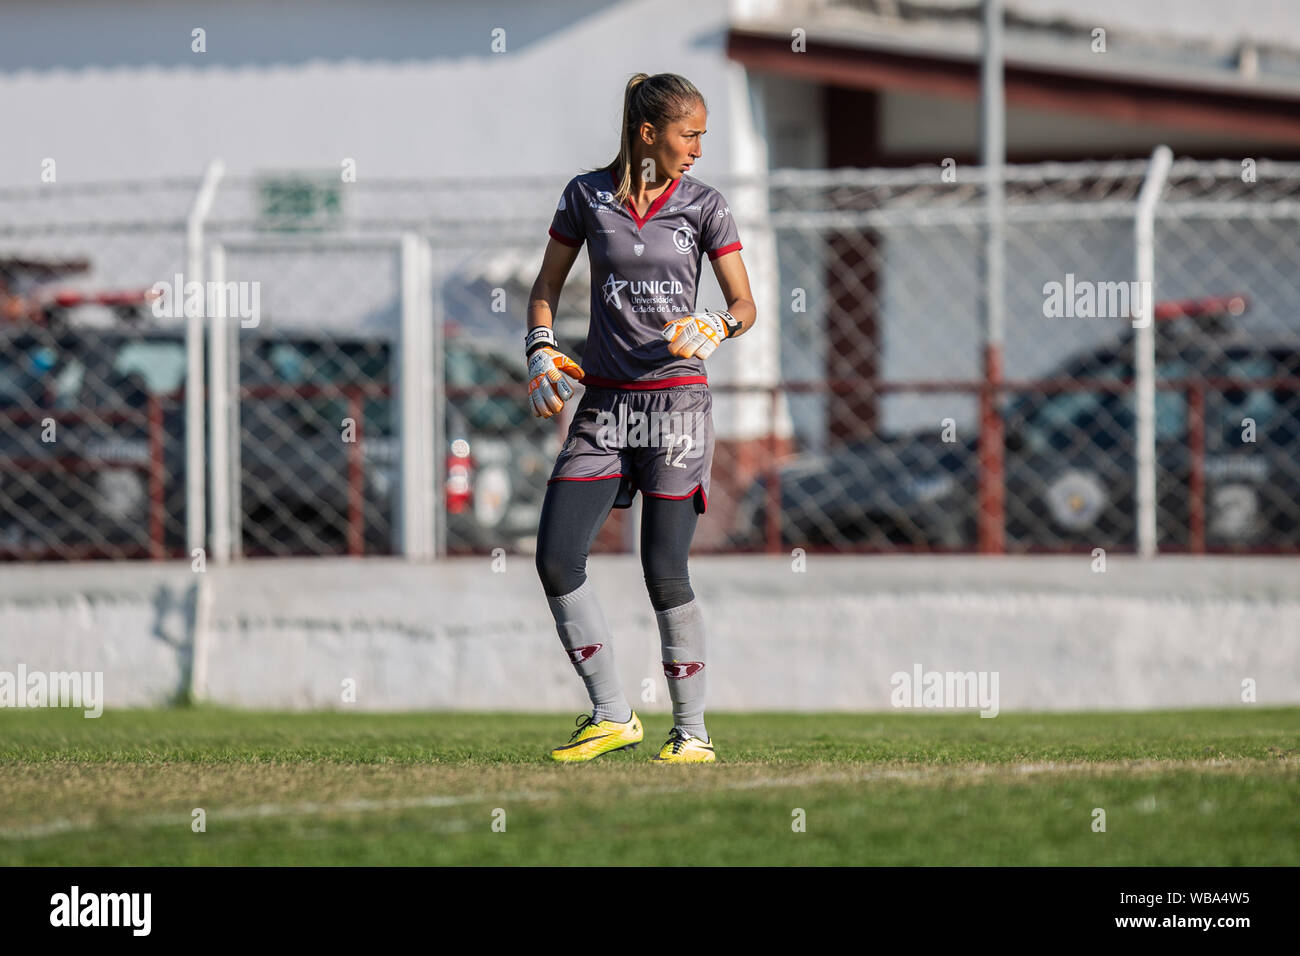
310 808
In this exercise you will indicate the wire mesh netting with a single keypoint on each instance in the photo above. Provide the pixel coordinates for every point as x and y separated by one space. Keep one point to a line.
862 428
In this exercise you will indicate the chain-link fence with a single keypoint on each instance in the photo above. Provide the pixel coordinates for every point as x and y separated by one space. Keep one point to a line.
91 396
868 410
886 363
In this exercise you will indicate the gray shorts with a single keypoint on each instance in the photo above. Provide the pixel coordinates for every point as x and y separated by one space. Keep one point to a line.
657 441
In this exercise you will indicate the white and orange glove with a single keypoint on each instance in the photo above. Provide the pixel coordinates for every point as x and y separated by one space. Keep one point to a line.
699 334
547 366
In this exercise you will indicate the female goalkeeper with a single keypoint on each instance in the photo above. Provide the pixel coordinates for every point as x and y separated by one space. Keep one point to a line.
645 421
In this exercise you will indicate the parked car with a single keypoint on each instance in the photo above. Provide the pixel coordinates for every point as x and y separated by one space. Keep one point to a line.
113 484
1069 464
89 465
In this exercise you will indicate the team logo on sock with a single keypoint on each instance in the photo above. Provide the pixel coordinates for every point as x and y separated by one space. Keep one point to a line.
676 670
579 654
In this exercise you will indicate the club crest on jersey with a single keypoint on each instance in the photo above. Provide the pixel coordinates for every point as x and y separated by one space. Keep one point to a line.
683 239
579 654
676 670
639 248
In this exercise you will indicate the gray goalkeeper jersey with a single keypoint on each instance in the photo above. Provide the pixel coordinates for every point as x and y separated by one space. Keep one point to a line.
644 273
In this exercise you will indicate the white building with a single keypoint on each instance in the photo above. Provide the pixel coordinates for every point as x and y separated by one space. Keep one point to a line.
516 91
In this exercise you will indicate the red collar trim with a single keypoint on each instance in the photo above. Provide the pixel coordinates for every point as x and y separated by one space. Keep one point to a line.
654 206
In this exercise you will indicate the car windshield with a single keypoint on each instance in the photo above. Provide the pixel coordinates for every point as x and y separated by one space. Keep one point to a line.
160 363
470 374
1101 418
1230 411
320 371
1096 416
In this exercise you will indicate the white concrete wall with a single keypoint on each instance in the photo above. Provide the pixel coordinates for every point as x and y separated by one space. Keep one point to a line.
508 89
1180 632
114 91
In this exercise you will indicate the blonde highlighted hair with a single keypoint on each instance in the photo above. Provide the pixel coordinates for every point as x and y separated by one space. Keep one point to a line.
659 100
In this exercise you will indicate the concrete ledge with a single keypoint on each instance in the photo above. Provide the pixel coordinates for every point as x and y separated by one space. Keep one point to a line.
1174 632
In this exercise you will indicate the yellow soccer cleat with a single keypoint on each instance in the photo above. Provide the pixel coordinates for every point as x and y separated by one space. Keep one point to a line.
682 747
593 738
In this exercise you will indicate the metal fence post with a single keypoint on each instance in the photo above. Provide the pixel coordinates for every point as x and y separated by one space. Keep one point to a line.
219 415
231 477
195 492
1144 351
436 400
417 400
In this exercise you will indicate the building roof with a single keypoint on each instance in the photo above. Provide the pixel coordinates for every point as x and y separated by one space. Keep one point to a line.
1188 76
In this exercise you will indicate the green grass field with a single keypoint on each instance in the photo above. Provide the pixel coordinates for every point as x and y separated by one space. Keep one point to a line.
1183 788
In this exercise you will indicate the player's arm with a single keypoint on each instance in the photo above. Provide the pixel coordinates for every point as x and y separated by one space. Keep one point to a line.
733 279
699 334
557 262
547 365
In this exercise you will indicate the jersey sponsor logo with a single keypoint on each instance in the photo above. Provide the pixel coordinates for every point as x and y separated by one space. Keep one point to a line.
655 287
612 287
605 195
677 670
579 654
683 239
644 295
695 206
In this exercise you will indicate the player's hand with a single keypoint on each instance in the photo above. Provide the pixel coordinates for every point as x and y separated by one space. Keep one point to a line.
547 388
695 335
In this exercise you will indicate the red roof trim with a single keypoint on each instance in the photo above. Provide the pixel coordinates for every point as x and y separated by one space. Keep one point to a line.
1127 99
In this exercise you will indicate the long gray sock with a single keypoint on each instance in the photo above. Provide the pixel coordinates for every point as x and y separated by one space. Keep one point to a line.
586 637
681 638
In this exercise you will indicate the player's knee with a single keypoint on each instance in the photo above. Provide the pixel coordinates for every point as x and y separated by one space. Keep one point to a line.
668 593
559 571
660 563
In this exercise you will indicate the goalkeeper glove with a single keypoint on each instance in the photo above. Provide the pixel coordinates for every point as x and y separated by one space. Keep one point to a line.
547 388
699 334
